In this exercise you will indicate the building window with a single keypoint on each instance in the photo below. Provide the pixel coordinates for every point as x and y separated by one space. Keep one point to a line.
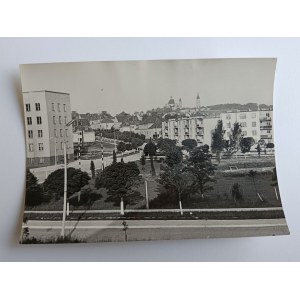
242 116
30 147
62 145
61 132
37 107
41 146
253 124
55 133
244 133
29 121
65 120
268 131
228 117
30 134
42 160
53 109
243 124
254 132
267 114
253 115
58 106
27 107
54 121
65 109
39 120
40 133
59 118
67 132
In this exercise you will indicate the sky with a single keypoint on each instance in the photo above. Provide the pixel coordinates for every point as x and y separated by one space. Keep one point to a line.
142 85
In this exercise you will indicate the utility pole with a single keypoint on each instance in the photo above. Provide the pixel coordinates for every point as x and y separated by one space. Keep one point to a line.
62 234
147 197
65 192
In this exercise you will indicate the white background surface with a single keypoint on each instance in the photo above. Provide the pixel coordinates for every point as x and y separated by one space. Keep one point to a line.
12 151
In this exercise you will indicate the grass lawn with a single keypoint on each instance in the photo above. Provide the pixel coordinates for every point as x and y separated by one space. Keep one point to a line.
219 197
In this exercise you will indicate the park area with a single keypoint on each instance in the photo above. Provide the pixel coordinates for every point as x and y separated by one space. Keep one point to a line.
228 172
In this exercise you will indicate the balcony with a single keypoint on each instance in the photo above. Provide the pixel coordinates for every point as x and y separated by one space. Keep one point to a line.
265 119
266 136
267 127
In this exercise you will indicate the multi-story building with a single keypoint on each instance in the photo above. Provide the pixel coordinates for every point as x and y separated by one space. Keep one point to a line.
266 125
184 128
46 116
83 136
150 130
255 124
249 121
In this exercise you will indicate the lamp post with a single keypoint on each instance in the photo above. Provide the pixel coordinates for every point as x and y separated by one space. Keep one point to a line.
62 234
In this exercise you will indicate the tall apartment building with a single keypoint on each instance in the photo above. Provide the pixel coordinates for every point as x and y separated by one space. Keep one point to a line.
184 128
266 125
255 124
46 116
249 121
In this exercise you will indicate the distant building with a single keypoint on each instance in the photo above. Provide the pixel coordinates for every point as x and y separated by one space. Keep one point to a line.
46 116
150 130
105 123
84 137
249 121
173 105
255 124
266 125
198 102
184 128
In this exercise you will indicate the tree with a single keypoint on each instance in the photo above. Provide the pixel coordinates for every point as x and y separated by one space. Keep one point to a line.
236 193
76 179
136 142
34 191
173 156
258 149
235 136
150 149
165 145
114 157
143 160
92 168
246 144
218 142
176 180
128 146
202 168
189 144
119 179
121 147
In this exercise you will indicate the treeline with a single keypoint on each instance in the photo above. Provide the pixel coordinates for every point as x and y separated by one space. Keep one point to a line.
125 136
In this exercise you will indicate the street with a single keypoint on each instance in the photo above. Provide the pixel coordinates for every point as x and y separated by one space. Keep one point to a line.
43 172
111 231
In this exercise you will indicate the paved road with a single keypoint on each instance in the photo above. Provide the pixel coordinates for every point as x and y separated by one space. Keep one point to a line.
111 231
43 172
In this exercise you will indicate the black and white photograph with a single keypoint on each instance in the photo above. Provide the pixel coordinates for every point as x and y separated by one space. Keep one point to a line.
120 151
